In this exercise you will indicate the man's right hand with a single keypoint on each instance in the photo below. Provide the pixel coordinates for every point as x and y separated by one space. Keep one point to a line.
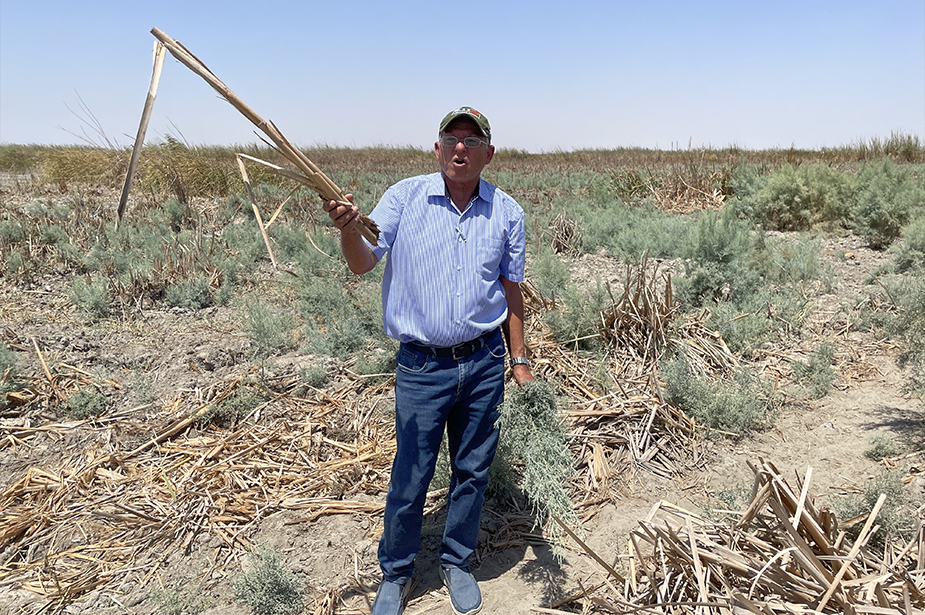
344 215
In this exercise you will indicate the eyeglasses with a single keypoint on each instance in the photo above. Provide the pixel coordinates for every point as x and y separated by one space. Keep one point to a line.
470 142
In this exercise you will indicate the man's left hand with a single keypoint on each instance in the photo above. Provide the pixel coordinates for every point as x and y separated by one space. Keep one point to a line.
522 373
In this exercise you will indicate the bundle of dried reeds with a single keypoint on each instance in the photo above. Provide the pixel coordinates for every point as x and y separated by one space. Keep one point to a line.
306 173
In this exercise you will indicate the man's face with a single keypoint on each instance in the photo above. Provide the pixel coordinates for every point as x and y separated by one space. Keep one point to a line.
461 164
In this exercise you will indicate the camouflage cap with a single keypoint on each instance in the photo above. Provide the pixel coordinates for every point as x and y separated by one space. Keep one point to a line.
480 120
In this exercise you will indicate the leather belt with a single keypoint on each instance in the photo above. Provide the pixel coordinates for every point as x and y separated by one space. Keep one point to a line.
459 351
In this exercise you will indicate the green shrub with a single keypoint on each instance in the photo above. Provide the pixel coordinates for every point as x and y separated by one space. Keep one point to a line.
816 375
341 320
130 250
376 362
336 336
319 260
718 251
551 274
182 599
7 372
315 376
141 387
269 588
630 232
11 232
244 241
269 328
534 442
886 198
194 293
92 298
14 263
177 214
228 411
732 498
577 317
52 235
737 407
323 298
85 403
290 243
55 235
750 321
795 197
791 261
746 180
894 518
880 447
910 252
909 327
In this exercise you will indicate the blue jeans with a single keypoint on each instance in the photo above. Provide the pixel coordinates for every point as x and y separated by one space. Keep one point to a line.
433 393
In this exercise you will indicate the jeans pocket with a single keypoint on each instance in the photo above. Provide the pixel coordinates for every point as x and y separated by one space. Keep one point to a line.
496 346
410 360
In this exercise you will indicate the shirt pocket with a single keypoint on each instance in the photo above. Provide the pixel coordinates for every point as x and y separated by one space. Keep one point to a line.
489 253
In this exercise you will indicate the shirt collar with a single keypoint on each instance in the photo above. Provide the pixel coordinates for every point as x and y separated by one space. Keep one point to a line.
438 188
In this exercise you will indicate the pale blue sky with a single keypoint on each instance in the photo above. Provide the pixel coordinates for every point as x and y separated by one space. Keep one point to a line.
549 75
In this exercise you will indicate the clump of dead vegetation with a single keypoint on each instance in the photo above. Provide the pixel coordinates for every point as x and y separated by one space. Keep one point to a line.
781 553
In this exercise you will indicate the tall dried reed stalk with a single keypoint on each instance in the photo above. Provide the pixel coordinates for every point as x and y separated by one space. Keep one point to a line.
309 174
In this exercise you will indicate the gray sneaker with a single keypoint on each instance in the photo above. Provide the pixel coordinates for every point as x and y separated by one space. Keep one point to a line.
465 596
390 598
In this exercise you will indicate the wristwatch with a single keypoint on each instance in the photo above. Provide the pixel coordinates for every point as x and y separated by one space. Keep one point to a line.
519 361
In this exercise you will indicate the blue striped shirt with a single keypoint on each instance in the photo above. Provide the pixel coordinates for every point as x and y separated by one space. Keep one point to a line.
441 282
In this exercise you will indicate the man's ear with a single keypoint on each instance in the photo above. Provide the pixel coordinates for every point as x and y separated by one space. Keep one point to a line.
491 154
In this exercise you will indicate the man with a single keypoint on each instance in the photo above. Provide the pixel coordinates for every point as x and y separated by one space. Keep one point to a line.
455 247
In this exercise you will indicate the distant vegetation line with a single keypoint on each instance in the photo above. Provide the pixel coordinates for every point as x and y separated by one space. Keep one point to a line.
70 161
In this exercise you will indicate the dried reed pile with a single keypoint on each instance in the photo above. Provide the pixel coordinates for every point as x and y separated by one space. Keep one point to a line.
689 188
631 427
159 486
780 555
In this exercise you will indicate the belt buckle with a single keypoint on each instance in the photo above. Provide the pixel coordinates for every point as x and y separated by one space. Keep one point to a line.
458 349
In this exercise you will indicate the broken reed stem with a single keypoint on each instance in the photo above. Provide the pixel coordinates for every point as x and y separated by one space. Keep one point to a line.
159 53
314 178
253 199
862 538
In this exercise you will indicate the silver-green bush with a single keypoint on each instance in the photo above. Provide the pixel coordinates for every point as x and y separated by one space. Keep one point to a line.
269 588
735 407
534 441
